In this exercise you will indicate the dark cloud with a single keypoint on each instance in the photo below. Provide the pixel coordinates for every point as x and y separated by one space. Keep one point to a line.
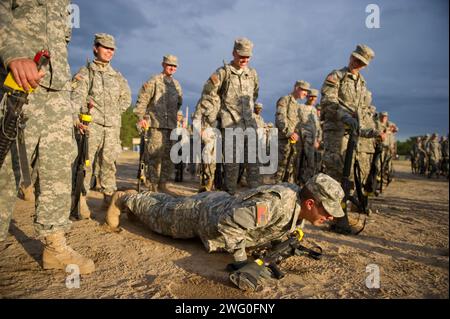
293 40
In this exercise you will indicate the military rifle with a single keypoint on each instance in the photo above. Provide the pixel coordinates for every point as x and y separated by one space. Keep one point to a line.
82 161
142 170
271 256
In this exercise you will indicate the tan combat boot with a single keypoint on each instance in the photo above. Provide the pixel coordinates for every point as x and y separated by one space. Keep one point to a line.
113 213
57 255
85 213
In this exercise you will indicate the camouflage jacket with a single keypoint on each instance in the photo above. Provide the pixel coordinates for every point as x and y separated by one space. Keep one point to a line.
259 120
106 88
434 150
160 98
207 111
27 27
234 92
251 218
342 93
308 123
287 118
367 121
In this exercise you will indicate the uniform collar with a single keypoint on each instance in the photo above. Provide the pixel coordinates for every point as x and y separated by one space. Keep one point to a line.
101 67
236 71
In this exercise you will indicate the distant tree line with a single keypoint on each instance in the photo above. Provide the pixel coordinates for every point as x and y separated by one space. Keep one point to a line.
128 130
404 148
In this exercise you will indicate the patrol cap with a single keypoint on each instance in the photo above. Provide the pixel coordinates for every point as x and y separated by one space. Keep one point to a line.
180 113
170 59
313 92
303 85
258 106
105 40
384 114
243 46
363 53
329 192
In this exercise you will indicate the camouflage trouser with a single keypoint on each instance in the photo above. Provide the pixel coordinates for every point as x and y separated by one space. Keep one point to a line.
365 161
50 142
335 146
209 157
434 167
231 170
284 148
157 156
176 217
8 193
104 142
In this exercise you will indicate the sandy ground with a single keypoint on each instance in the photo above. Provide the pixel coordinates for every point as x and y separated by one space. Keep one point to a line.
407 238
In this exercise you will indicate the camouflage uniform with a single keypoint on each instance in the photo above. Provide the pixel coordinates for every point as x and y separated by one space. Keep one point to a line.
445 156
259 120
308 128
366 146
109 95
159 99
28 27
235 91
232 223
287 121
206 113
425 159
434 154
342 97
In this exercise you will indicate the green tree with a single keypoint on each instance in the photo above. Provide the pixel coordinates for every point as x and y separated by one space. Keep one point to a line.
404 148
128 130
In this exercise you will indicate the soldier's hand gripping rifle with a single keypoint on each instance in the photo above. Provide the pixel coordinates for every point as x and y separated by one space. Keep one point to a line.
248 276
82 161
15 98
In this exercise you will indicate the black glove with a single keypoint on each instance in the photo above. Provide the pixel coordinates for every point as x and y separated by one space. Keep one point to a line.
236 265
351 122
249 276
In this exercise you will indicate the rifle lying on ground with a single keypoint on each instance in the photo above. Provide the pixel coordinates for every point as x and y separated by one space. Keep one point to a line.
81 163
15 97
142 170
268 259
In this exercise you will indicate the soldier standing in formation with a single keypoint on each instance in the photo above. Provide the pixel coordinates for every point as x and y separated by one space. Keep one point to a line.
233 90
309 128
159 100
102 92
434 154
25 29
342 97
287 121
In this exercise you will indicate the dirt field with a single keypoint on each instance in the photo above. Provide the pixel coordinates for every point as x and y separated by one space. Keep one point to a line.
407 238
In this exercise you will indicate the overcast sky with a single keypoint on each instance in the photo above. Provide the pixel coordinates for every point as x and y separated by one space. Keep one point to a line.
294 40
